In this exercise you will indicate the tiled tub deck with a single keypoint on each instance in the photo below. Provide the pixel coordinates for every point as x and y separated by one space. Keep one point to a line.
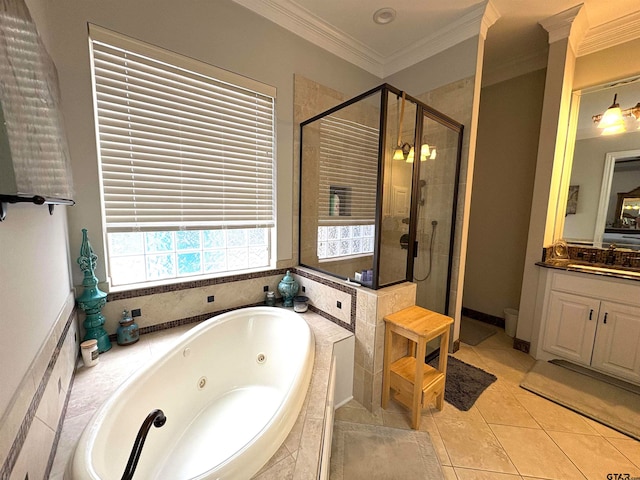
298 457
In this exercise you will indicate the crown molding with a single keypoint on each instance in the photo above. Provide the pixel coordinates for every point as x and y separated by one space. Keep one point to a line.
491 16
289 15
610 34
303 23
571 24
465 27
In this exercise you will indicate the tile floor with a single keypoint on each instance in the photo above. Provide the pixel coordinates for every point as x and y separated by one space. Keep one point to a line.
510 433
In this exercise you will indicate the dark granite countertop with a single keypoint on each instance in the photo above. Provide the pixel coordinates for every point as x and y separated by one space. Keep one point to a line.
601 269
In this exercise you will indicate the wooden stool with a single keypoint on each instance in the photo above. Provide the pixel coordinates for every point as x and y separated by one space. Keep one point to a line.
415 384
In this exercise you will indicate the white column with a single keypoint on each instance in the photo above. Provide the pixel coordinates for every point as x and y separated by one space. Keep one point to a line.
566 30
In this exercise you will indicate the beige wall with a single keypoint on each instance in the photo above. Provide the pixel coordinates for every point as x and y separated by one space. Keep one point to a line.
455 63
621 61
508 129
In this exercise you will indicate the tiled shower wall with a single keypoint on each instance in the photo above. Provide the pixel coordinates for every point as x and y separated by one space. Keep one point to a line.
456 101
30 428
364 311
372 307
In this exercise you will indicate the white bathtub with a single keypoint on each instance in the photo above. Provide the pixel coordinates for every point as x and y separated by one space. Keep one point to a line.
231 390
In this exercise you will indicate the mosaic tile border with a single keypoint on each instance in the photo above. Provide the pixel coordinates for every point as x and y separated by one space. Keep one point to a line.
23 431
621 258
56 438
229 279
186 321
174 287
335 320
205 316
337 286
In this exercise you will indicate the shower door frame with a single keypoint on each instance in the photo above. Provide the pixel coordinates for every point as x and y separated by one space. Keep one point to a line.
422 110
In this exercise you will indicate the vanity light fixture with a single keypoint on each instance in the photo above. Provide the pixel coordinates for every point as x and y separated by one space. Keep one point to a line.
612 121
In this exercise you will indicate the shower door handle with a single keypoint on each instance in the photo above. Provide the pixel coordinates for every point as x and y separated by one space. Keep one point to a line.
415 249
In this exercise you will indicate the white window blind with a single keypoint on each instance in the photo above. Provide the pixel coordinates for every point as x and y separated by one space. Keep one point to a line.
348 172
182 144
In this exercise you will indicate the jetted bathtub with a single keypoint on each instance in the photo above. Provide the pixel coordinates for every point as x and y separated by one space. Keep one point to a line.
231 390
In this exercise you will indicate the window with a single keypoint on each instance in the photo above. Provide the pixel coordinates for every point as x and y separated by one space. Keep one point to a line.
348 185
186 154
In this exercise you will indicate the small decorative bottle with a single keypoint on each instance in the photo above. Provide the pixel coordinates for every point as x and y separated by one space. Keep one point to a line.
128 331
288 288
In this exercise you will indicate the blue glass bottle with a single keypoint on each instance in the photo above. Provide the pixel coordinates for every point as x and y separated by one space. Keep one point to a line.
128 331
288 288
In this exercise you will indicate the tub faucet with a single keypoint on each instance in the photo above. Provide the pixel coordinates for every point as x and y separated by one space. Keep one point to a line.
155 418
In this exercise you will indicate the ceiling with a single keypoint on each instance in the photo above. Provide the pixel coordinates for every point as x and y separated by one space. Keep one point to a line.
425 27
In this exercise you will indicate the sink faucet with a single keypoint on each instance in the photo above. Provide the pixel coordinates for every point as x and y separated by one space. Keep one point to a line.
611 255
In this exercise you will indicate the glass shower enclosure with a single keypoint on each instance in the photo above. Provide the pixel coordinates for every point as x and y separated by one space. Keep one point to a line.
379 181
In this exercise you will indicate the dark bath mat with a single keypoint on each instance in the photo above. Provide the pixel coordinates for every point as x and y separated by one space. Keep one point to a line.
465 382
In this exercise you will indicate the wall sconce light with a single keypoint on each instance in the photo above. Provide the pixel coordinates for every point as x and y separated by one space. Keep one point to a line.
612 121
411 155
427 152
402 151
399 152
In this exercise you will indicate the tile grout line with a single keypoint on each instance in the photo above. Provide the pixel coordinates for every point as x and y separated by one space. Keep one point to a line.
621 452
584 475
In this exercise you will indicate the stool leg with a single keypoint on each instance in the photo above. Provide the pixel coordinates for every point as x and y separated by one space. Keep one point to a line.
442 366
440 399
386 371
416 411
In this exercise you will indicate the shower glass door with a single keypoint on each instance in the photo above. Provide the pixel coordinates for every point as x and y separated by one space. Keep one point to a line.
436 201
437 189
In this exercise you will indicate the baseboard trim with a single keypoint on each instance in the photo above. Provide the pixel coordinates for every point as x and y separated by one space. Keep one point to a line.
522 345
483 317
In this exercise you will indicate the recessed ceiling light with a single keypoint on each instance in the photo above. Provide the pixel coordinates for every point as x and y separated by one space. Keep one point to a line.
384 16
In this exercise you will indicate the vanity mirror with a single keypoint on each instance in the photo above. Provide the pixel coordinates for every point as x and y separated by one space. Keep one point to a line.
606 168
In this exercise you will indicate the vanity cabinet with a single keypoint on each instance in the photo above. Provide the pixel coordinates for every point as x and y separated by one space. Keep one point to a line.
617 344
594 322
571 326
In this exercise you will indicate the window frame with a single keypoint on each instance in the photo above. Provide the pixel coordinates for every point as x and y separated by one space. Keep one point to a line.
194 67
